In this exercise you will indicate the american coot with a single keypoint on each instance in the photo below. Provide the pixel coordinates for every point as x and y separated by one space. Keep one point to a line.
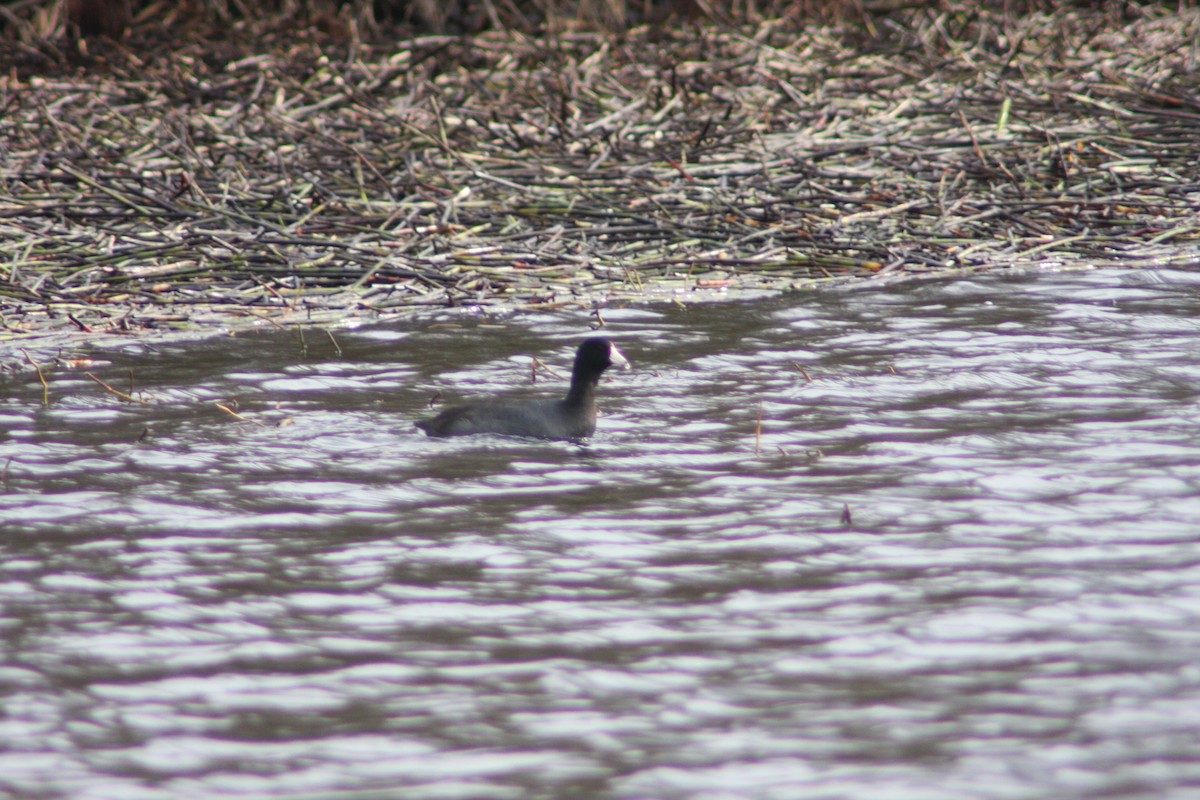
573 417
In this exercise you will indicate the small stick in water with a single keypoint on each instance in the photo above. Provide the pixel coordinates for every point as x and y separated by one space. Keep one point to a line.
238 416
758 431
41 377
127 398
337 348
539 364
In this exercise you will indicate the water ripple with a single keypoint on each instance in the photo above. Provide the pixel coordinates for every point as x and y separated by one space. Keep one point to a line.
931 540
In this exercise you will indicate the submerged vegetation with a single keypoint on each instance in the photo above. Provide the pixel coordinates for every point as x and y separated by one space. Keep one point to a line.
185 173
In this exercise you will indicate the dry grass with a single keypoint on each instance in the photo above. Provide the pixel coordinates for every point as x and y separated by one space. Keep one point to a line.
304 176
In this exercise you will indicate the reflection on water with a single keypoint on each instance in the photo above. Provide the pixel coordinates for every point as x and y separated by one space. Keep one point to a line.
298 595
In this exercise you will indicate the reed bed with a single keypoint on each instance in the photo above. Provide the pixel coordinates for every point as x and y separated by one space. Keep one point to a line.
318 179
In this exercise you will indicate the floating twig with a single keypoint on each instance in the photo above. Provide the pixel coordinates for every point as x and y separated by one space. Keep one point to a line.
539 364
38 368
228 410
336 347
117 392
758 431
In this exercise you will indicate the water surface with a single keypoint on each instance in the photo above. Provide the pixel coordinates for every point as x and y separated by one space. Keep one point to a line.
317 601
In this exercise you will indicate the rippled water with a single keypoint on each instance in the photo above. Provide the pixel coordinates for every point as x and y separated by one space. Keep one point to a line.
316 601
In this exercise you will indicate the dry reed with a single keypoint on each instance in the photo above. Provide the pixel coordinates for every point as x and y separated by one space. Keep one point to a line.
307 181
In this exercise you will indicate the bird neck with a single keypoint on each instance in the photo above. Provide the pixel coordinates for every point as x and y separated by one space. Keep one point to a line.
583 389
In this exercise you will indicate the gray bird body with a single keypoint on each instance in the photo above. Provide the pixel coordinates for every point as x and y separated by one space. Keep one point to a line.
572 417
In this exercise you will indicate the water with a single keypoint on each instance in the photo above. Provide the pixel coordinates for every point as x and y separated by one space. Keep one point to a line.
315 601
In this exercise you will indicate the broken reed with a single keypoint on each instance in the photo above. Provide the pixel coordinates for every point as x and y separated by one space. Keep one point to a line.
575 169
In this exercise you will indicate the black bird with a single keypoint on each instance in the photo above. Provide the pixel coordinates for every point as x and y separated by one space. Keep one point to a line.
573 417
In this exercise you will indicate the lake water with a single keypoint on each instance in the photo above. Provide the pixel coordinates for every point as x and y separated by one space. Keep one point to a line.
934 539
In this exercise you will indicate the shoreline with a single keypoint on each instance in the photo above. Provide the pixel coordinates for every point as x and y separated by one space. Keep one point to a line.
202 187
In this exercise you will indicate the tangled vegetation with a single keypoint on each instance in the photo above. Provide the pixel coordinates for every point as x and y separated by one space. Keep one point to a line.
315 174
